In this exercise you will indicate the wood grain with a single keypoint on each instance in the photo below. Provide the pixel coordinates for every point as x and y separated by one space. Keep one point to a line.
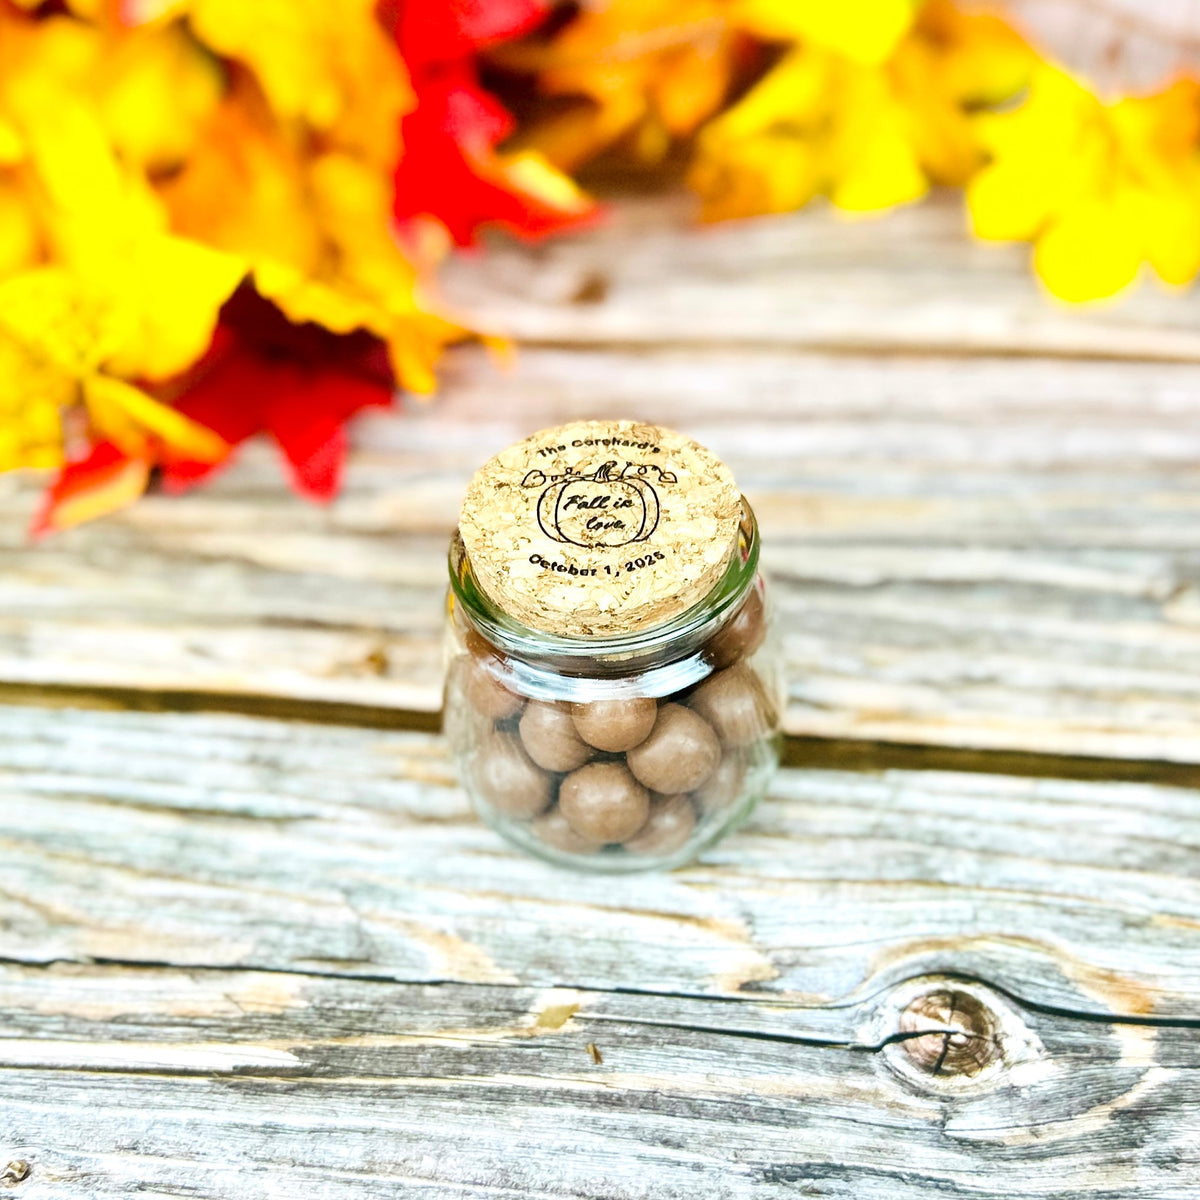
226 841
1123 47
245 958
242 1084
905 281
986 552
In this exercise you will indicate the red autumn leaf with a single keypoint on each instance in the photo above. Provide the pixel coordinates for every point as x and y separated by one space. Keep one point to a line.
451 171
430 32
299 383
450 168
102 481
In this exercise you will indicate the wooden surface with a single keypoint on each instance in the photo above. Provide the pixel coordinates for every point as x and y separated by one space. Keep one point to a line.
980 511
253 944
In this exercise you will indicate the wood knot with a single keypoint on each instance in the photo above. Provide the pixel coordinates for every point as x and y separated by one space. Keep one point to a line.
949 1035
950 1032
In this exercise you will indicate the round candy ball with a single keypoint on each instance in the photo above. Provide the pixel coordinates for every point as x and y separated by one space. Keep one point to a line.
463 724
488 695
671 822
723 787
741 635
681 752
549 737
508 780
615 725
603 802
735 703
555 830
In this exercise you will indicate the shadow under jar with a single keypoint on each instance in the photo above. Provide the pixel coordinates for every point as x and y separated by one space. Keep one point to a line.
613 687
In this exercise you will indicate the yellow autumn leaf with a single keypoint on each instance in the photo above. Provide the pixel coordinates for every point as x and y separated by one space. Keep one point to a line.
88 9
649 70
302 298
66 334
315 229
373 286
174 288
872 156
20 238
749 161
12 145
62 322
331 66
1100 188
157 89
864 31
1091 252
108 231
32 397
352 205
953 65
1003 204
244 154
1170 233
132 419
869 135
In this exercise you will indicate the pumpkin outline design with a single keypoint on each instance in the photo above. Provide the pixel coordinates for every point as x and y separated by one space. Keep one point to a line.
550 517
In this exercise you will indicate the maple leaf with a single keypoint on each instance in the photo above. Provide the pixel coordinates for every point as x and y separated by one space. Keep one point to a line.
1101 189
451 171
328 66
869 134
298 382
645 71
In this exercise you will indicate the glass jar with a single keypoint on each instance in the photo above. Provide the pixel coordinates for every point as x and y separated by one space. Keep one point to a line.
635 723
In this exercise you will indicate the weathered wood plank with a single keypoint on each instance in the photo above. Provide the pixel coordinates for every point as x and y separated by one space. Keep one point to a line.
227 841
984 553
232 1083
909 280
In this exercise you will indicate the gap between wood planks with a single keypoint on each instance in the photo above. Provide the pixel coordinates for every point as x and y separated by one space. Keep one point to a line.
872 347
799 751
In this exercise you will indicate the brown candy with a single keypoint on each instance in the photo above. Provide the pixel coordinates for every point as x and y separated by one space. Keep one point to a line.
741 635
668 827
506 778
488 695
615 725
681 752
723 786
549 737
735 703
462 724
555 830
603 802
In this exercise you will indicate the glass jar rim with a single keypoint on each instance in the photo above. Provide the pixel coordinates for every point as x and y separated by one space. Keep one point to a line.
677 637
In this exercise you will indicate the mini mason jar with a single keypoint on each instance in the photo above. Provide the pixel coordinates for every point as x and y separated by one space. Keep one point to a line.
613 687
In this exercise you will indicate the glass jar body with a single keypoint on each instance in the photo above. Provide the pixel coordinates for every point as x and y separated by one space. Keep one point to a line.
633 762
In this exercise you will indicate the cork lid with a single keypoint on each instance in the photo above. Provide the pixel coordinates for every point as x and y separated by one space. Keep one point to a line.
600 527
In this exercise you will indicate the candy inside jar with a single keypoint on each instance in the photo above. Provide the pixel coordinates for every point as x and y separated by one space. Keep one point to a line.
618 714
